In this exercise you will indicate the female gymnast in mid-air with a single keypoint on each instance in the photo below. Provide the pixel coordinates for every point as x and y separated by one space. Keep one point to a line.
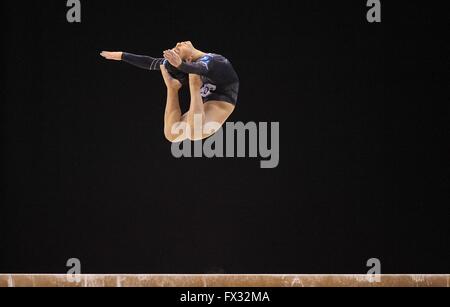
213 83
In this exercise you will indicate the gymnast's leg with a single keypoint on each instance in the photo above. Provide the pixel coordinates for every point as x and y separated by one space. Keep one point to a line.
173 115
204 119
196 118
201 121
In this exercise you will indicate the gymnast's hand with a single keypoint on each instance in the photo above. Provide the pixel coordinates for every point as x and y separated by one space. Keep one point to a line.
173 58
114 56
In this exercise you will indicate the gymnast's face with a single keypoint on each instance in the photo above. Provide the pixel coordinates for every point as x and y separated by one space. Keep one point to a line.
185 50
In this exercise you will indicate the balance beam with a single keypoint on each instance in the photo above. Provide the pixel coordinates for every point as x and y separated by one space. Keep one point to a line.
226 281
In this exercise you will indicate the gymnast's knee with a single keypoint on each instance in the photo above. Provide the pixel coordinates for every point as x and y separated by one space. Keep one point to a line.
170 136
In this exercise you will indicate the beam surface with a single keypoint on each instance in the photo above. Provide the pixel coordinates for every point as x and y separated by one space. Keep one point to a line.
20 280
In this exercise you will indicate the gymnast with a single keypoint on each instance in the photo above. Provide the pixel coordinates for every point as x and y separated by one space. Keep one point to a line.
213 83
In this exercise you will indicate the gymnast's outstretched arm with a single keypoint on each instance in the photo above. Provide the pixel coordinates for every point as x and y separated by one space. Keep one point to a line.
141 61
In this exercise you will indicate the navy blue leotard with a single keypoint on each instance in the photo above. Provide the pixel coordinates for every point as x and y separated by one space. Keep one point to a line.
220 80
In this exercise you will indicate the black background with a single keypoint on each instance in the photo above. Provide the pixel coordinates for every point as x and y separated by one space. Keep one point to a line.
86 172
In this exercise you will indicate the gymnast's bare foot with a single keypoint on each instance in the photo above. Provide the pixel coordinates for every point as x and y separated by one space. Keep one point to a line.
171 83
